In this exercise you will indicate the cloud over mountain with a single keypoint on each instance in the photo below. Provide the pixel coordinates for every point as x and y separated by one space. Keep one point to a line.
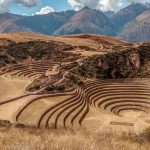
105 5
4 4
45 10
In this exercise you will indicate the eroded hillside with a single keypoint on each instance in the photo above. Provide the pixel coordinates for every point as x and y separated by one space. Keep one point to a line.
62 62
73 81
130 63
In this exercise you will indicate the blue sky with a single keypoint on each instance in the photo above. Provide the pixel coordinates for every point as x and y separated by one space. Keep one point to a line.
30 7
58 5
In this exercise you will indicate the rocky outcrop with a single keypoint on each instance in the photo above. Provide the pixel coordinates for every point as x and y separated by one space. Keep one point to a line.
125 64
53 51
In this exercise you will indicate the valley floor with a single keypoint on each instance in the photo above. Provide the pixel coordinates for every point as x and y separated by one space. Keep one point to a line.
111 105
51 105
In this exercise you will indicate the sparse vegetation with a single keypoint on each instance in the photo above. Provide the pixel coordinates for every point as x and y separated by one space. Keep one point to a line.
61 87
29 138
145 135
49 88
51 85
124 64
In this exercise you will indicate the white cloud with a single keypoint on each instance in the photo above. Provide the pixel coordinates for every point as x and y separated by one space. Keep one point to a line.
45 10
138 1
78 4
4 4
113 5
105 5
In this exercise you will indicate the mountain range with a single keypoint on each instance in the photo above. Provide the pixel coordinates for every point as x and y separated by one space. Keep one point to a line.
131 23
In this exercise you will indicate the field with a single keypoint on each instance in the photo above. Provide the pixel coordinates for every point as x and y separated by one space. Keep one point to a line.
40 95
96 44
112 104
12 139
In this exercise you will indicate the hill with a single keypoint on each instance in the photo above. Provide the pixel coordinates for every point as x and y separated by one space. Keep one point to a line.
138 29
127 14
84 21
73 82
8 23
46 24
87 21
24 47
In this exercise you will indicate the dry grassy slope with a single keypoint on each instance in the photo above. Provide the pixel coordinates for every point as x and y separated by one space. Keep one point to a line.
63 139
75 40
5 41
99 39
85 44
73 111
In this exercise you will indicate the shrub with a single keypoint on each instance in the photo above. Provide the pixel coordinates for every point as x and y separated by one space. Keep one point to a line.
49 88
61 87
33 88
36 87
146 134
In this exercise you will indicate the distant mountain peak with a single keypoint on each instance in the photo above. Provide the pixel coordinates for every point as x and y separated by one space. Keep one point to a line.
127 14
136 4
88 20
147 4
138 29
86 7
109 13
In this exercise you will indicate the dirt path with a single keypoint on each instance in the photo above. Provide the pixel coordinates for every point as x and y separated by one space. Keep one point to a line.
53 71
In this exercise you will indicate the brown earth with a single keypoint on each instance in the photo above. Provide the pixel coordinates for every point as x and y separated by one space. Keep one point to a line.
74 81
